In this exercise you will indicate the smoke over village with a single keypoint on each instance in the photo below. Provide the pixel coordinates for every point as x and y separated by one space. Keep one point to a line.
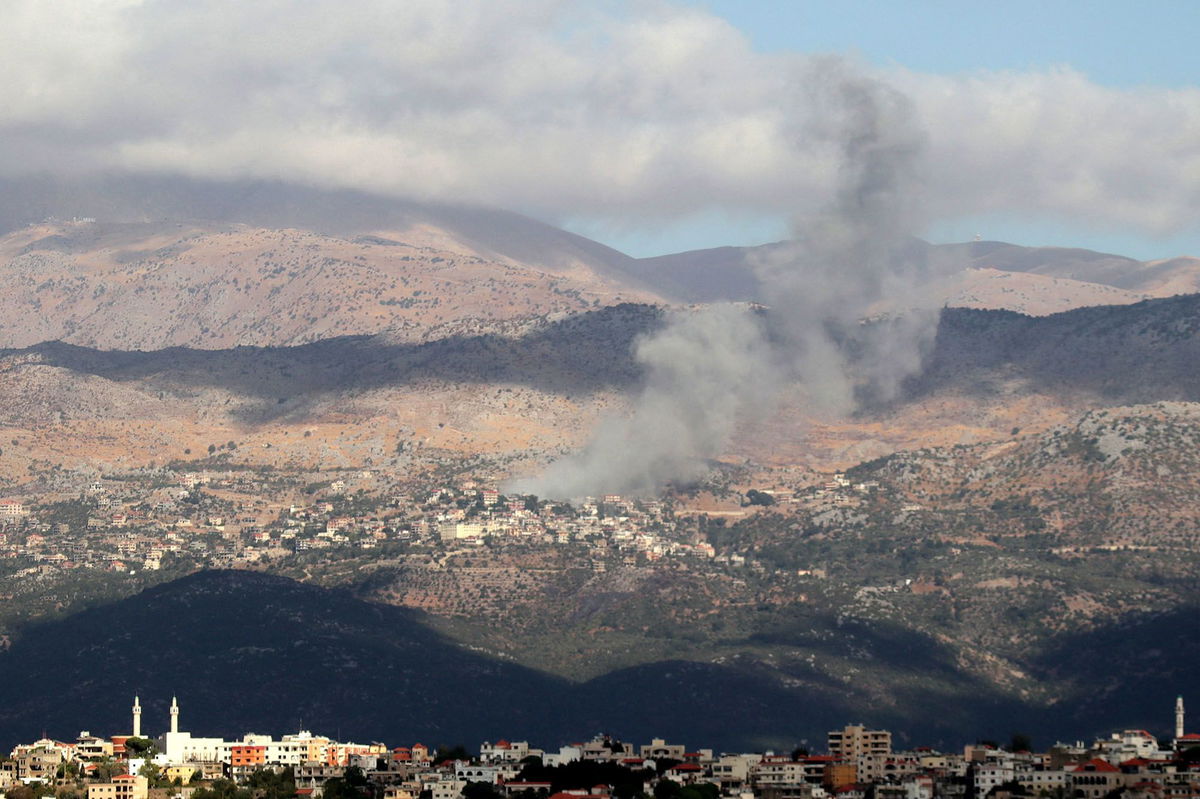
694 399
709 370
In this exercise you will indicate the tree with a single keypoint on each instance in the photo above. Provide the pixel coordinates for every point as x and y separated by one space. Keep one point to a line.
458 752
1020 742
222 789
666 789
756 497
355 777
338 788
153 775
108 768
140 747
479 790
267 783
701 790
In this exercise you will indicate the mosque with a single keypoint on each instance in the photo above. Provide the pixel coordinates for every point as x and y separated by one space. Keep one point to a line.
178 747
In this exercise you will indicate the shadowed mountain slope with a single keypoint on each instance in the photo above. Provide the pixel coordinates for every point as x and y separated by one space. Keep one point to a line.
246 651
1134 353
1126 353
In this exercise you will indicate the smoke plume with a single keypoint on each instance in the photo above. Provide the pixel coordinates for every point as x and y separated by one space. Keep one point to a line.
707 371
856 252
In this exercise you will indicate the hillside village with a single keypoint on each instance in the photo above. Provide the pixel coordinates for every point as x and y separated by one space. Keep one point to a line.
231 518
976 558
858 763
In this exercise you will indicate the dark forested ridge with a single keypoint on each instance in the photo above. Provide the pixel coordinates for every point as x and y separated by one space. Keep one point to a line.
246 651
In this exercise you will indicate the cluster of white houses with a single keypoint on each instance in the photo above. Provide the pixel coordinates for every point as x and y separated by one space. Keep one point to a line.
860 763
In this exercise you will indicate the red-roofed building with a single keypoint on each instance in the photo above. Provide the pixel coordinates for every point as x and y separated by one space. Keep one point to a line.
1094 779
685 773
1189 741
125 786
505 751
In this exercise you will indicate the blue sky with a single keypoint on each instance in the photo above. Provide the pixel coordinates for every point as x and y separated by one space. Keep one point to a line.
1115 43
1124 45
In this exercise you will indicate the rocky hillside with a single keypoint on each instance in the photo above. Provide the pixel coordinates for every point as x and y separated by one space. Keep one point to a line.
1117 478
143 263
146 286
527 388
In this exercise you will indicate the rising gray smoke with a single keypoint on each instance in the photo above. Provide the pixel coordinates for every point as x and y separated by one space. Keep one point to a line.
707 371
856 252
704 371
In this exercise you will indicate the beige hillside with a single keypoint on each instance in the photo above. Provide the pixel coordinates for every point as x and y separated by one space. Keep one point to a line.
1168 277
143 286
1027 293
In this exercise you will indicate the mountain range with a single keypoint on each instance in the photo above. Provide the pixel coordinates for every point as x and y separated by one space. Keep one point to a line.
1028 547
145 263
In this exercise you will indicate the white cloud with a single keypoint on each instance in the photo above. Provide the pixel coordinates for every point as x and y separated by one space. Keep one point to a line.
557 108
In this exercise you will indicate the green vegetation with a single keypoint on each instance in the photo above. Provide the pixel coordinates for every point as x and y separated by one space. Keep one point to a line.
262 784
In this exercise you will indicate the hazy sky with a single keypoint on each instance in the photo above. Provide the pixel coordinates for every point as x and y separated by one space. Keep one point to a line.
654 126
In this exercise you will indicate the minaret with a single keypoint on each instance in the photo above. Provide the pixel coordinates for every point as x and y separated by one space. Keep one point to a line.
1179 717
137 718
174 715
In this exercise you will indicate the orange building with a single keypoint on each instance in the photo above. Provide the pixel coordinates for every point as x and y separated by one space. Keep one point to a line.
839 774
247 756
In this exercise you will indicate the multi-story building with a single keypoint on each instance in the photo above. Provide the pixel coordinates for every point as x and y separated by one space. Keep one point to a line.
659 749
732 772
40 762
244 759
852 741
1093 779
125 786
91 747
867 749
